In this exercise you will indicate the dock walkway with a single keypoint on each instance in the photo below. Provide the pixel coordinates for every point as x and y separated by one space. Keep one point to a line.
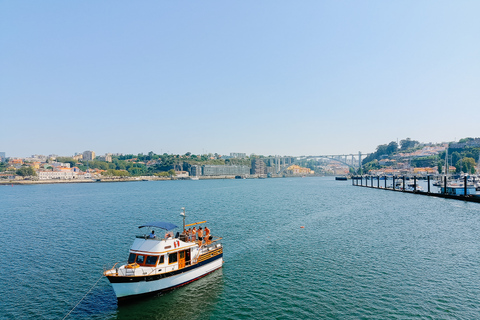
369 183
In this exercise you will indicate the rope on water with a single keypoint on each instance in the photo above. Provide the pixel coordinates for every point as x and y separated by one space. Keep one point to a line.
82 298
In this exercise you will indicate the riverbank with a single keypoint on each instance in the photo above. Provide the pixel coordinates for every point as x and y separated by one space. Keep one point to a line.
131 179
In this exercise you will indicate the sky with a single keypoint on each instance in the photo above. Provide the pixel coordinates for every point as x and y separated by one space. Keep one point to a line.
265 77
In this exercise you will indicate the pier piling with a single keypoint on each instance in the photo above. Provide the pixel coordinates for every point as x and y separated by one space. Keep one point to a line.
441 194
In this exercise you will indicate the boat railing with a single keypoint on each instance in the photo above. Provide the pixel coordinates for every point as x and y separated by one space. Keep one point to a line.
207 242
210 246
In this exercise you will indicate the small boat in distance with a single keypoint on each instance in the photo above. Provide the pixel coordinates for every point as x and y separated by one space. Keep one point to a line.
342 178
156 264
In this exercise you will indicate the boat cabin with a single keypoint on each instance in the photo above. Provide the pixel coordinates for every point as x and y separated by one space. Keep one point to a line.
459 190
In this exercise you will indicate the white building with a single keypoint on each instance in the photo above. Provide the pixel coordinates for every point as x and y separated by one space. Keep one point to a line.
88 155
57 174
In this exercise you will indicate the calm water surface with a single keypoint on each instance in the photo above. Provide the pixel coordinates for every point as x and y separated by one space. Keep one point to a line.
363 254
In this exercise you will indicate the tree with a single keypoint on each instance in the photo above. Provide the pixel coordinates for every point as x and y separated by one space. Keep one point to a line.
440 168
455 157
26 171
136 171
372 165
407 144
117 173
466 165
465 140
381 150
392 147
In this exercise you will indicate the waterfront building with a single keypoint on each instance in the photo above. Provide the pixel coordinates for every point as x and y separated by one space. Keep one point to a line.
181 174
424 171
195 171
258 166
294 169
36 165
36 158
213 170
88 155
238 155
107 158
59 164
270 170
56 174
16 163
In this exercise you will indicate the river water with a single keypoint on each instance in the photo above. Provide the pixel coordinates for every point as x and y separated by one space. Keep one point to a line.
362 254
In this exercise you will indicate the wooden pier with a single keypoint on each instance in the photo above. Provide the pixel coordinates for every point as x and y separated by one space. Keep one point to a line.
374 182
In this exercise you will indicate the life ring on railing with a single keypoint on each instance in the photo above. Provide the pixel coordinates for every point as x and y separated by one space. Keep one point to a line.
132 265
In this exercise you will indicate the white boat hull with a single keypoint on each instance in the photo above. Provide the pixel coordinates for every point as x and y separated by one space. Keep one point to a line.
131 289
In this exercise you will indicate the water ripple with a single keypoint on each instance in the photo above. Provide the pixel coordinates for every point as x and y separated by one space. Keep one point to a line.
363 254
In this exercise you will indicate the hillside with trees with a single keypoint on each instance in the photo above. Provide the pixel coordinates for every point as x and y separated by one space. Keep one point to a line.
463 155
151 163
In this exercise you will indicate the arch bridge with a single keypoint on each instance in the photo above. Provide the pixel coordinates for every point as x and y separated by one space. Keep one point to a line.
351 160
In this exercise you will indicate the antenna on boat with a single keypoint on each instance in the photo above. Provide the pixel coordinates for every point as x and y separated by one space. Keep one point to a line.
183 215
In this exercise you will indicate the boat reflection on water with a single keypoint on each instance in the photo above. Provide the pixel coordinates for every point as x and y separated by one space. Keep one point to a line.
195 301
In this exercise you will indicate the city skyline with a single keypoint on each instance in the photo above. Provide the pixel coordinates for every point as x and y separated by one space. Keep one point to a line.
271 78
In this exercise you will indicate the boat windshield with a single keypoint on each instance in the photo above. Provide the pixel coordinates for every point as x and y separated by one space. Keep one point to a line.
145 260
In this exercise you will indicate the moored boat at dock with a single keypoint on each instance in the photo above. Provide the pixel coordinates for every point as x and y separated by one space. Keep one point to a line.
157 264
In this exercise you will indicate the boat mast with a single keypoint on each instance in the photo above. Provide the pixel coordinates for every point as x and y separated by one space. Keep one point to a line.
183 215
446 162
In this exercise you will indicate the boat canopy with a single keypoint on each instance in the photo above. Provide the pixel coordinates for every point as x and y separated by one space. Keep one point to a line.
160 224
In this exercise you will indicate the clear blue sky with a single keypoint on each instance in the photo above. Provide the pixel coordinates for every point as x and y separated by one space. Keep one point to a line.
265 77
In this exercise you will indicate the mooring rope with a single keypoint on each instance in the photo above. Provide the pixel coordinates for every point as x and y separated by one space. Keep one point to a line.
82 298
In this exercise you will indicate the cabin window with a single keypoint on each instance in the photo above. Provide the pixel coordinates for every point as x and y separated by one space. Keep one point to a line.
131 258
151 260
162 260
172 258
140 259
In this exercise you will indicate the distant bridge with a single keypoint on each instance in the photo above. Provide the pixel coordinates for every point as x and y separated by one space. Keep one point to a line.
351 160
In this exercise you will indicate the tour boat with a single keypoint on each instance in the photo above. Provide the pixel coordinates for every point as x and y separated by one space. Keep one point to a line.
157 264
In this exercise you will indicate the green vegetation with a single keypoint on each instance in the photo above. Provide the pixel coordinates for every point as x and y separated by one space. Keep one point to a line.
408 144
116 173
26 171
466 165
421 162
169 173
462 155
383 151
372 165
151 163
